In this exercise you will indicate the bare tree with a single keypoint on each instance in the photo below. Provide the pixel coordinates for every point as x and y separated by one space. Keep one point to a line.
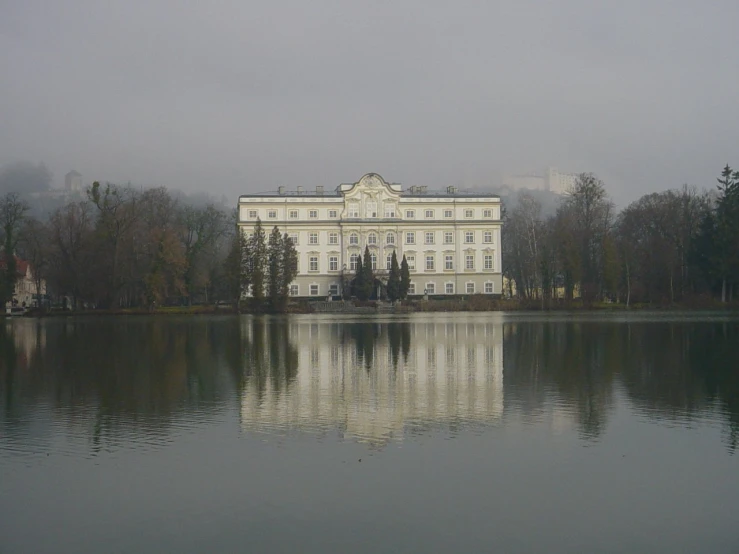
12 214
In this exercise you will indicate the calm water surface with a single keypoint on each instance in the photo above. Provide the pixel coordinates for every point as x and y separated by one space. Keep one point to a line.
427 433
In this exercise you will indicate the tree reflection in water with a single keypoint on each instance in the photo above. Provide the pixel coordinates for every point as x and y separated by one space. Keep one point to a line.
109 377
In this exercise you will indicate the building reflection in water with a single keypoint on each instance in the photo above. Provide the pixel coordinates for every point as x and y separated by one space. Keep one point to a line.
369 379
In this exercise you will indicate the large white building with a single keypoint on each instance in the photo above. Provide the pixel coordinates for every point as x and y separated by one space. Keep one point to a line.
451 239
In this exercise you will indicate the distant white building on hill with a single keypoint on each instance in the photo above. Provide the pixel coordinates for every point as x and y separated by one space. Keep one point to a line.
551 180
73 181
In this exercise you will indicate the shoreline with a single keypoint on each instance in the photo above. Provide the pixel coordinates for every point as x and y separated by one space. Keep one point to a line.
420 306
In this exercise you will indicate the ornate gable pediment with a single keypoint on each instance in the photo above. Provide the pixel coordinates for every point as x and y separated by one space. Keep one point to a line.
371 186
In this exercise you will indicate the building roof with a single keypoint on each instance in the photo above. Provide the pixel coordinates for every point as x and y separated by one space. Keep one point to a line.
411 192
21 266
371 180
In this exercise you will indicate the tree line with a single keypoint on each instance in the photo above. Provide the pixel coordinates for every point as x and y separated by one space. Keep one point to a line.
666 247
120 247
263 268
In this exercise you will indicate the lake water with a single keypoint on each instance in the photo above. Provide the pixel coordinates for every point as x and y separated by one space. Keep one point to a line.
423 433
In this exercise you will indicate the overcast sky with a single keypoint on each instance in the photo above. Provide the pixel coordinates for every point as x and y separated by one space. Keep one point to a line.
237 96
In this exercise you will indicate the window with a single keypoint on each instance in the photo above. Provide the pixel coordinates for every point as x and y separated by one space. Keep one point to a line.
411 288
410 214
371 209
410 237
389 262
353 260
429 214
333 238
487 237
333 289
448 214
333 263
293 214
313 238
314 263
411 262
488 288
430 237
389 210
354 238
448 237
449 288
272 214
294 290
390 238
469 214
430 263
487 213
314 290
449 262
313 214
372 238
332 213
373 257
469 237
488 261
293 238
469 261
430 288
252 214
353 209
470 288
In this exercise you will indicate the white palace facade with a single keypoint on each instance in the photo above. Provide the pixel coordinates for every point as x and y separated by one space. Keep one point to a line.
451 239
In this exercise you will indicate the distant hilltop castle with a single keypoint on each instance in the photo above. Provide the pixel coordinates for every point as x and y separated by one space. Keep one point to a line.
73 181
552 180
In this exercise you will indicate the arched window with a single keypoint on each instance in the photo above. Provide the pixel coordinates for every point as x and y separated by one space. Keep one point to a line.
354 238
371 209
353 261
372 238
390 238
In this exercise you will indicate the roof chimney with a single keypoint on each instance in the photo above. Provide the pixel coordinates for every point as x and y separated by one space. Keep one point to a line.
451 190
280 190
300 189
319 190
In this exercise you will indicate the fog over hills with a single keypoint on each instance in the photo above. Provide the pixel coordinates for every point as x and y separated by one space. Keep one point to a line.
241 97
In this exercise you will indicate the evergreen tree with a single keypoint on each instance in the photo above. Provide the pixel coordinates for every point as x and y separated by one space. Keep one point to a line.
393 281
257 263
289 269
405 278
358 281
275 253
727 231
367 281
